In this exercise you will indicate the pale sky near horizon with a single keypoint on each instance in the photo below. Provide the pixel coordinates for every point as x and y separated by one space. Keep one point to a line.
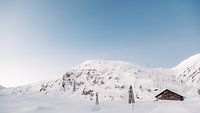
41 39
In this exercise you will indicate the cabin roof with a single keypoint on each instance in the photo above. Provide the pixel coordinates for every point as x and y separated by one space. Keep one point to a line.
169 91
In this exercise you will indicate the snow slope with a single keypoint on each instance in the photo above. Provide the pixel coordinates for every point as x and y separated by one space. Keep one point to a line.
188 71
1 87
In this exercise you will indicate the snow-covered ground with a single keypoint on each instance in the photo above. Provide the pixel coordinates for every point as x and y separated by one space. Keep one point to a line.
63 104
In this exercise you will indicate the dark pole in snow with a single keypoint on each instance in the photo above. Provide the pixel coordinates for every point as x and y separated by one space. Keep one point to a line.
131 96
131 99
97 99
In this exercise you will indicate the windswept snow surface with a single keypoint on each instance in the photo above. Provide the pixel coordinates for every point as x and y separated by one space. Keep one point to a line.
47 104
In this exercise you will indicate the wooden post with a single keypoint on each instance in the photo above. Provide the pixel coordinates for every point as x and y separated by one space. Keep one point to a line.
131 95
97 99
130 92
133 99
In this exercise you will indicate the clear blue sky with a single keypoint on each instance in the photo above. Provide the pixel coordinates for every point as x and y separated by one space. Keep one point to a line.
41 39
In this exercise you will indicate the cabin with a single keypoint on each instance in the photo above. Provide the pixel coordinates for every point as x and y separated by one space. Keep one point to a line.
169 95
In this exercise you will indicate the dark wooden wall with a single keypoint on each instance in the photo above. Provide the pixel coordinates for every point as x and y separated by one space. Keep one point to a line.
168 95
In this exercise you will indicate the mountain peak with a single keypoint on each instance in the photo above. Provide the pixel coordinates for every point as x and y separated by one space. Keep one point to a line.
100 61
189 70
193 60
106 63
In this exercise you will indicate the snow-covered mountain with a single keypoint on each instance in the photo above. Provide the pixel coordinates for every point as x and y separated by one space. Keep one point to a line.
111 79
1 87
188 71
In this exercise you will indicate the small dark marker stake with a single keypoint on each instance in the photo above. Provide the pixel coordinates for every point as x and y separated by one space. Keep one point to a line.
97 99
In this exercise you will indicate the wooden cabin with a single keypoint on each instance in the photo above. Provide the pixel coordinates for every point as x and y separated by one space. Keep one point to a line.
169 95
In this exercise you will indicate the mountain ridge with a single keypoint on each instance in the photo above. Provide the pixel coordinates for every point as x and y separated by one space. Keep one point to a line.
112 80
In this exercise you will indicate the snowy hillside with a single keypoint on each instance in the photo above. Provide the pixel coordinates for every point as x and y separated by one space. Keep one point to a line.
111 79
1 87
188 71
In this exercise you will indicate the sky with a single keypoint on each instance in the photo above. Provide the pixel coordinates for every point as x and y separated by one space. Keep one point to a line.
42 39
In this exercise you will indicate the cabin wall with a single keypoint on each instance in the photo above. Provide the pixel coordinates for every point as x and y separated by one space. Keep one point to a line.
169 96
